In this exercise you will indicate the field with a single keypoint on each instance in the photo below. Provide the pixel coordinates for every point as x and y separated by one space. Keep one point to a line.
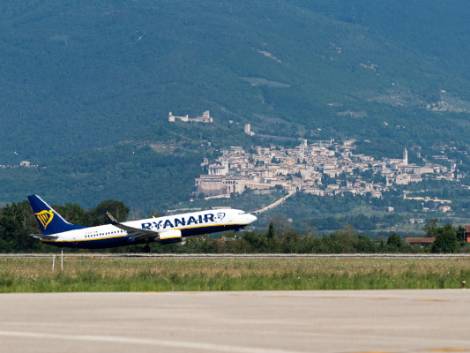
105 274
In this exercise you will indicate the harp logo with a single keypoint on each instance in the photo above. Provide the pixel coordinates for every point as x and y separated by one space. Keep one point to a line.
45 217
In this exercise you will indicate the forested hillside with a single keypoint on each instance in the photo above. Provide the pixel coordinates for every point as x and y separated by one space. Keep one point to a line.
85 88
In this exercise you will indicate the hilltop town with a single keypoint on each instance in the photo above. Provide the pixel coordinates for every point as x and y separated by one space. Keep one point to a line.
325 168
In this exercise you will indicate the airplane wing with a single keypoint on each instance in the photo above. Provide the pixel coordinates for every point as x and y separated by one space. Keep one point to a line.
135 233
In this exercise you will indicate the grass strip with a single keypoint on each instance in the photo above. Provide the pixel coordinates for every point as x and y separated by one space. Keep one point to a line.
103 275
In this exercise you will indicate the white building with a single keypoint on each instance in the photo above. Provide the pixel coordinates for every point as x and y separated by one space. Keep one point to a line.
205 118
247 130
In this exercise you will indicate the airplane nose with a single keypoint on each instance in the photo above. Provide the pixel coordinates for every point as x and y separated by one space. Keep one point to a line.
252 218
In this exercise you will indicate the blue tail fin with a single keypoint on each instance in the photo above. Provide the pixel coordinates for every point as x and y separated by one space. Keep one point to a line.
49 221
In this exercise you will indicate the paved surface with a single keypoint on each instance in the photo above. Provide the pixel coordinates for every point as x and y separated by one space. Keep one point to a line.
275 204
246 322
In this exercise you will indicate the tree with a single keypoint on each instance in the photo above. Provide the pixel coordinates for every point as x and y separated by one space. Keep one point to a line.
289 242
16 226
395 243
461 234
431 227
446 240
116 208
270 235
74 214
257 242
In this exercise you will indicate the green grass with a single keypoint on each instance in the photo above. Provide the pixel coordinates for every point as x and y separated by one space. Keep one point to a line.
91 275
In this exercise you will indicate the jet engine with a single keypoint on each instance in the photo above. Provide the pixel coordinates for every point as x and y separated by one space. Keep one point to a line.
171 234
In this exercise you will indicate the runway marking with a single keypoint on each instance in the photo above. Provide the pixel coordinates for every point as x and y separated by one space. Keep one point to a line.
371 352
145 342
437 300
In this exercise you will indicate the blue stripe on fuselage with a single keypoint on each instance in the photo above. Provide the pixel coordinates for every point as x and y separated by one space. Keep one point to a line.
123 241
96 243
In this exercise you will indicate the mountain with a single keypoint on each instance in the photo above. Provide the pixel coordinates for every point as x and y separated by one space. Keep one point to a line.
85 88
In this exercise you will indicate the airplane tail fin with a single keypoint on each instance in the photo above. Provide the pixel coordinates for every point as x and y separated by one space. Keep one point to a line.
49 220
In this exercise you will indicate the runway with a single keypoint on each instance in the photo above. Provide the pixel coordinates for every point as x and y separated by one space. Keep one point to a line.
245 322
232 256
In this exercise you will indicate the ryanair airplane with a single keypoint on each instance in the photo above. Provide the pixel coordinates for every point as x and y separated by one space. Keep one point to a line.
58 231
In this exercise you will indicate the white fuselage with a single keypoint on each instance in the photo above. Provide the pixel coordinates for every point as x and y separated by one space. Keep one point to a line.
173 227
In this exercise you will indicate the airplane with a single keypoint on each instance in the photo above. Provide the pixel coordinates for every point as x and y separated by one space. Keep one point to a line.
56 230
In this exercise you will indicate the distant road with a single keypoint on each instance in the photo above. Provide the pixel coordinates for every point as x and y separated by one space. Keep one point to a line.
275 204
239 256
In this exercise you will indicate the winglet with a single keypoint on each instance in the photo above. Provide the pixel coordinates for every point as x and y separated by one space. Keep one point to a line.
111 218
